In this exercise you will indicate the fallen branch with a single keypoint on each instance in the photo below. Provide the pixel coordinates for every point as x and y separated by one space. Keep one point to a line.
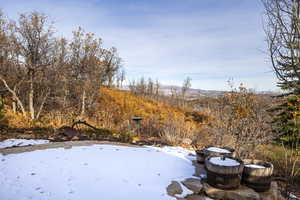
84 123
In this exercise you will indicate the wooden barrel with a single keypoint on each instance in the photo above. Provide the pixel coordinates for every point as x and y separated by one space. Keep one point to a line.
257 175
200 156
224 172
213 151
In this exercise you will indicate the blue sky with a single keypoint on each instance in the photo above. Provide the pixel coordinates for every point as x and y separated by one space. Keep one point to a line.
210 41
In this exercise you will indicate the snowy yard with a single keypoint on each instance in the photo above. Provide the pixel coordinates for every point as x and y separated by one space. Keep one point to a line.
20 142
93 172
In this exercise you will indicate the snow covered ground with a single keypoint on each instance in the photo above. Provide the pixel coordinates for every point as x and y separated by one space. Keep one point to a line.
94 172
20 142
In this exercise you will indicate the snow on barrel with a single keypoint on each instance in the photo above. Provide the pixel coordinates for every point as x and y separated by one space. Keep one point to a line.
213 151
224 172
218 150
257 174
224 161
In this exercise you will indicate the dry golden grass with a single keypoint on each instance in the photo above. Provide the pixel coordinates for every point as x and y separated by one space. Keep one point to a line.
114 111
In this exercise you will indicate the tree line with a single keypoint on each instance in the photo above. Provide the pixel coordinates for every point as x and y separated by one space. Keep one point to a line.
148 88
40 71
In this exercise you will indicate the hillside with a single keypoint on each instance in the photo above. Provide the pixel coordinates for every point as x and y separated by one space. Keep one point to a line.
124 105
113 115
168 123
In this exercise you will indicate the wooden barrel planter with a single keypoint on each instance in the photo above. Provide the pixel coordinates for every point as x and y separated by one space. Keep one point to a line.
224 172
200 154
213 151
257 175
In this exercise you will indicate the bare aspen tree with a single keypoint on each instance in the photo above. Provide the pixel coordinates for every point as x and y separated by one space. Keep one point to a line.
186 86
122 77
11 73
41 72
87 66
33 35
111 64
157 87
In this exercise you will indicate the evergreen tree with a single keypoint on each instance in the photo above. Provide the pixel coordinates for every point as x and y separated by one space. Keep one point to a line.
287 121
283 36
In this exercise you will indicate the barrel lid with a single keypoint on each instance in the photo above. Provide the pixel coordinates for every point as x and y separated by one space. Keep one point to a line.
224 161
217 149
257 164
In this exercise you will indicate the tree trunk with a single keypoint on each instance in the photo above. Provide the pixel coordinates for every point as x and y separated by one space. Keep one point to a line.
42 104
83 103
110 81
14 102
14 96
31 93
14 106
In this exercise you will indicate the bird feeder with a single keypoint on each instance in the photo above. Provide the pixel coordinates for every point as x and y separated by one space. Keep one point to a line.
137 121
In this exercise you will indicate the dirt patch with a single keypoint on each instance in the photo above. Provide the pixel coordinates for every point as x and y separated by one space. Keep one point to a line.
53 145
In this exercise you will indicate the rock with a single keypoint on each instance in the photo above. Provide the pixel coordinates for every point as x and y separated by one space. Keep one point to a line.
25 136
67 131
199 169
272 194
193 184
174 188
242 193
187 141
51 138
68 147
75 138
28 132
197 197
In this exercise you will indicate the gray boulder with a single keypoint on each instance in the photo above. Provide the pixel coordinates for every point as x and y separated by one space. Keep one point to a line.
174 188
272 194
193 184
242 193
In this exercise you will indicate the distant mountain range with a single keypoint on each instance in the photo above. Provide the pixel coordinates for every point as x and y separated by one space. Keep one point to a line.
197 93
191 93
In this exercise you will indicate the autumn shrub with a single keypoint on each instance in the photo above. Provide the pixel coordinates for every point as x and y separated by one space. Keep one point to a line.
240 116
126 131
175 130
17 120
286 163
151 127
282 159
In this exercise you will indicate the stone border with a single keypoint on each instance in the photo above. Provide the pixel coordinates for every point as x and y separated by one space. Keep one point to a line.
66 145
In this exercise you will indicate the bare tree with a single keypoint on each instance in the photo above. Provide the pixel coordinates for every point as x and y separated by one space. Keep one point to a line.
112 64
42 72
186 86
33 38
283 37
11 73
